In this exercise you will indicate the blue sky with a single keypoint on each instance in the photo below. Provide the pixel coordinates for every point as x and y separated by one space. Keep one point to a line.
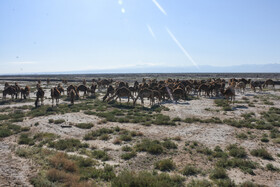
67 35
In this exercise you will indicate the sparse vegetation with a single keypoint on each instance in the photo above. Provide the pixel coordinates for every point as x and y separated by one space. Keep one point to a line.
165 165
261 153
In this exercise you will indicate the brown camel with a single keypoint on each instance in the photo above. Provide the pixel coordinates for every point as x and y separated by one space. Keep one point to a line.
145 93
178 94
157 95
241 86
84 89
93 89
229 93
39 95
55 94
110 91
269 82
61 89
121 92
25 92
69 88
205 88
255 84
10 90
6 85
72 94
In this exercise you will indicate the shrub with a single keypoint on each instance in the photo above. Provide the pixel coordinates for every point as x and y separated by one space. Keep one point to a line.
218 173
24 139
51 120
261 153
84 125
61 162
271 167
126 148
190 170
59 121
8 129
244 165
129 155
145 178
68 144
242 136
94 134
55 175
235 151
168 144
165 165
153 147
199 183
99 154
126 137
104 137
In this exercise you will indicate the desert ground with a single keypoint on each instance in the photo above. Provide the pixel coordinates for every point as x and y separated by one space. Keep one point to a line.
199 141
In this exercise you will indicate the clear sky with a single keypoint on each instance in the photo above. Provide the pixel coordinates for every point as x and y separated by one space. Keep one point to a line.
66 35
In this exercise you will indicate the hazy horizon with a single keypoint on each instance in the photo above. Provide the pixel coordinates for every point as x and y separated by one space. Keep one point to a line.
99 35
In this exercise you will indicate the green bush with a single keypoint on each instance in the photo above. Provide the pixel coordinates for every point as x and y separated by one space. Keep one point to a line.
168 144
129 155
153 147
84 125
99 154
165 165
235 151
245 165
126 148
271 167
59 121
68 144
94 134
261 153
24 139
190 170
8 129
218 173
145 178
199 183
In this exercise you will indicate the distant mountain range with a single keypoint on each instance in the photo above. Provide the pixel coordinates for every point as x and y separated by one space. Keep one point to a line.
246 68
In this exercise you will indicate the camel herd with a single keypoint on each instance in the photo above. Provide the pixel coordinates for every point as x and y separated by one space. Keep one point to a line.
152 89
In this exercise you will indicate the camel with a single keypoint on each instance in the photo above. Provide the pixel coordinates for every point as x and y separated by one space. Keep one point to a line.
268 82
60 88
6 85
229 93
104 83
72 94
241 86
157 95
110 91
39 95
74 88
255 84
121 92
10 90
205 88
178 94
55 94
25 92
145 93
92 89
84 89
